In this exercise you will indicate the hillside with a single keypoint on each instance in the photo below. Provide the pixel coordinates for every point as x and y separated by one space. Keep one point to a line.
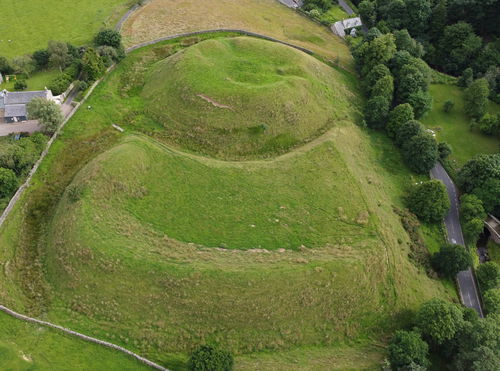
146 241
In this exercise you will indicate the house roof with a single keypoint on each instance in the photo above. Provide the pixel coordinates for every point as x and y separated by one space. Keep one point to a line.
352 22
15 110
23 97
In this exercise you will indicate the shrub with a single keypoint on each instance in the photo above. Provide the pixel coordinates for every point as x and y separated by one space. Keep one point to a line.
81 85
60 84
488 276
20 85
491 300
421 152
207 358
448 106
444 150
406 348
8 182
476 98
451 259
429 201
489 124
108 37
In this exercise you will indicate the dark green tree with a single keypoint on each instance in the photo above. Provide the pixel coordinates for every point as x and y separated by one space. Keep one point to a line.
368 13
439 320
418 15
451 259
438 20
471 207
488 276
378 51
421 152
476 98
397 117
429 201
378 72
406 348
92 65
466 78
421 101
407 130
405 42
384 87
376 111
41 58
489 124
491 300
108 37
477 171
444 150
448 106
8 182
208 358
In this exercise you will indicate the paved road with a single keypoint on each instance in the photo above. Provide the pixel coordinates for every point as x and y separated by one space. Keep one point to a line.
346 7
466 284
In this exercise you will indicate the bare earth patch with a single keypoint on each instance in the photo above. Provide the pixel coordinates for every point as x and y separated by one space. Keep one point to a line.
214 103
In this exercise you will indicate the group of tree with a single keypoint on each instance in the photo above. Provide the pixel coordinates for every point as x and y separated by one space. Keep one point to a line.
396 81
488 276
480 176
454 34
451 332
86 63
476 97
16 159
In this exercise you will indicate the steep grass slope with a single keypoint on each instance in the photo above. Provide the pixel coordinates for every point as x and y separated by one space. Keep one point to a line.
243 97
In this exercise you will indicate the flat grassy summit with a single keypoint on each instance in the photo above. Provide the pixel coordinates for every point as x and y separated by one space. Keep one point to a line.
243 97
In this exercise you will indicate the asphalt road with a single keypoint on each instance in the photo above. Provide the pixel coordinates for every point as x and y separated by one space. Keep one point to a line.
346 7
466 284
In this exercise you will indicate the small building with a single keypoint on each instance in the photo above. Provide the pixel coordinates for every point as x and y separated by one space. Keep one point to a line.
13 105
346 26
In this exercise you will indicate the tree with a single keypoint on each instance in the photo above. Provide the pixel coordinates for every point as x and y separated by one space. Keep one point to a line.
411 81
405 42
466 78
398 116
47 112
421 101
376 111
208 358
20 85
5 66
8 182
378 72
93 65
60 84
477 171
58 54
489 124
377 51
476 98
471 207
491 300
384 87
489 193
488 276
438 20
41 58
439 320
396 14
444 150
451 259
407 347
429 201
109 37
407 130
472 229
421 152
448 106
417 17
23 65
368 13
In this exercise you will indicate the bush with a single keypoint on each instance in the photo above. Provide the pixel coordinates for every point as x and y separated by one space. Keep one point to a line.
20 85
451 259
108 37
448 106
489 124
491 300
421 152
8 182
429 201
60 84
407 348
488 276
444 150
476 98
207 358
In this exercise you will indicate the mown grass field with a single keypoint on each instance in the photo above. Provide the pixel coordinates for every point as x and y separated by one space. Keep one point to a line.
161 18
37 81
454 127
119 236
25 346
29 24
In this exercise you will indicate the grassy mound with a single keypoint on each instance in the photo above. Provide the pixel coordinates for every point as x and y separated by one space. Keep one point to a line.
241 97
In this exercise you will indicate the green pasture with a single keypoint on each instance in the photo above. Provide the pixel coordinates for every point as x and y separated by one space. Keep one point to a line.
454 127
29 25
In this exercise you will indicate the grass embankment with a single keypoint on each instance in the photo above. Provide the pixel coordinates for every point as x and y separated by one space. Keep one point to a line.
131 259
29 24
454 127
25 346
257 99
161 18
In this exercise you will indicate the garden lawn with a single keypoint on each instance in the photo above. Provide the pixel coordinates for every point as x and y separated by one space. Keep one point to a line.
37 81
161 18
334 14
28 25
454 127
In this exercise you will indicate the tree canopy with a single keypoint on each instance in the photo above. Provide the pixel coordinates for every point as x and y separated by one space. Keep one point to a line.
451 259
439 320
429 201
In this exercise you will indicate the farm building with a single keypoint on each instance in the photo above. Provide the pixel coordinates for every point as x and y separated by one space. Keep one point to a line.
13 104
341 28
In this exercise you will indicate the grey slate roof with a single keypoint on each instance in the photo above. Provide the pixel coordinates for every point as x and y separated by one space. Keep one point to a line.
15 110
23 97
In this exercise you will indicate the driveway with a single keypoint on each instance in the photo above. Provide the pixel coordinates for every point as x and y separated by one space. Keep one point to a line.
465 279
23 127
